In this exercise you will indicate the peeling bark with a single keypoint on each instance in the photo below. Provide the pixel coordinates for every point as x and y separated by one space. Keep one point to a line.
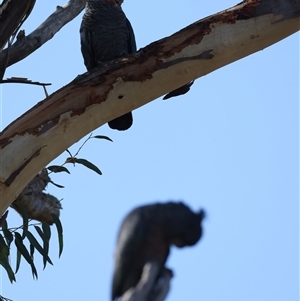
113 89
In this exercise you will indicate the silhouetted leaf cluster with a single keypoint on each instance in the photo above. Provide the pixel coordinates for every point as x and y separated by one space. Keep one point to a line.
26 243
73 159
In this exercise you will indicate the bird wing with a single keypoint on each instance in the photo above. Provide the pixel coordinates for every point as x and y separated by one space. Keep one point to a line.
130 243
131 38
86 48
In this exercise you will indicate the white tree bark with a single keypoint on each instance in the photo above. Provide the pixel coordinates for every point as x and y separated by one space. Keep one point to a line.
92 99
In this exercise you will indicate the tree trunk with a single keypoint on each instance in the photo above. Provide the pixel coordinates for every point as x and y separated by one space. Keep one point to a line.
92 99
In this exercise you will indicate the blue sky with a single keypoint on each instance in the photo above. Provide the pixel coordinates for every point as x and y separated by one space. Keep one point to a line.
230 146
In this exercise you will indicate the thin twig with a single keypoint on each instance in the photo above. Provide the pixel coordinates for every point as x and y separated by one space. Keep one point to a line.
90 136
20 80
45 90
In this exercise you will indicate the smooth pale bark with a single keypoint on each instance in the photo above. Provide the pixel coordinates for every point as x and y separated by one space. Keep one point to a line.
45 131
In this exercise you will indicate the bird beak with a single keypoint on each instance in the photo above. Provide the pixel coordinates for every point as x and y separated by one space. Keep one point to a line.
201 214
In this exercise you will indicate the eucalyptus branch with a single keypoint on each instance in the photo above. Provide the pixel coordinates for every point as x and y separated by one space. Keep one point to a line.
22 80
25 45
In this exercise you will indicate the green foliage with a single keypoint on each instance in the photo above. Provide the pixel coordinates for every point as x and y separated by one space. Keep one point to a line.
59 228
26 244
84 162
4 255
24 215
73 159
57 185
4 299
102 137
25 241
57 168
7 233
34 244
24 252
